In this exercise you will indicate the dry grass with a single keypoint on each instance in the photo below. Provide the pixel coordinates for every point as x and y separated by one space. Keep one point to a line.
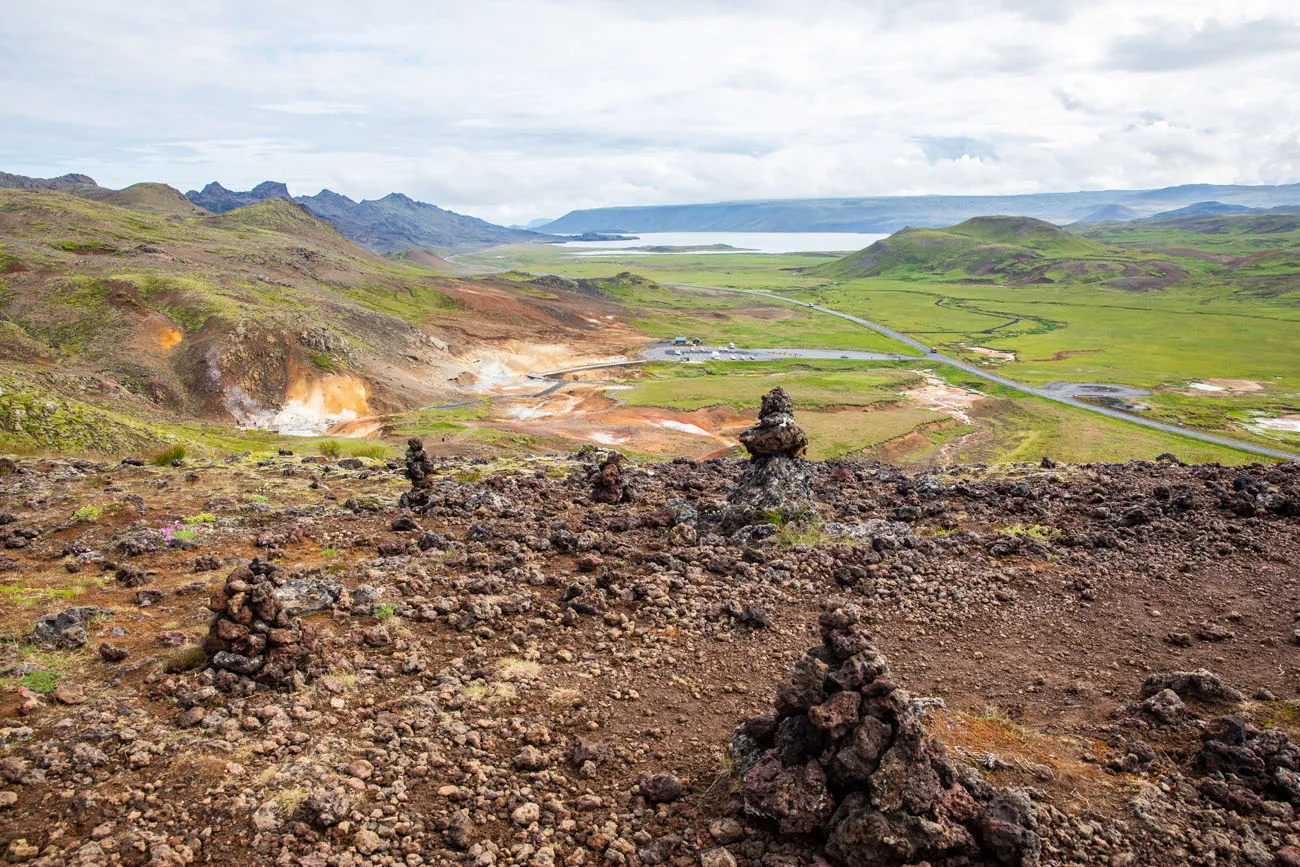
1071 767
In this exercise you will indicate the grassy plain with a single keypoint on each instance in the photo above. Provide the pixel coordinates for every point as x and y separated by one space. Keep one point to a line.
1156 305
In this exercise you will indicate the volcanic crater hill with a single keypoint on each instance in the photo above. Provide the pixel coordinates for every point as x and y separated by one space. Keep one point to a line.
125 317
546 661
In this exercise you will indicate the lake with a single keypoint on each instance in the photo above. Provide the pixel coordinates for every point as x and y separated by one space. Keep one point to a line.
747 242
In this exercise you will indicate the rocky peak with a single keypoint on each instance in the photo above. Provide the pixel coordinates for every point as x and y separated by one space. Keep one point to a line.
217 199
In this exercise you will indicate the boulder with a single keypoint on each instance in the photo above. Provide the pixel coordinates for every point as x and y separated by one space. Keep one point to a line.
66 629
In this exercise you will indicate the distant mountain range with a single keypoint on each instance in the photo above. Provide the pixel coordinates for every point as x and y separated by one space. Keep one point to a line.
63 183
887 214
388 225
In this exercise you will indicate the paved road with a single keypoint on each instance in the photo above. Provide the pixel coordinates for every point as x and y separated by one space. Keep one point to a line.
665 352
1009 383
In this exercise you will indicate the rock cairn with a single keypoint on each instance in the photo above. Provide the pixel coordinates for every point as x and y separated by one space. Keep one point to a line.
845 755
776 483
419 471
255 634
608 484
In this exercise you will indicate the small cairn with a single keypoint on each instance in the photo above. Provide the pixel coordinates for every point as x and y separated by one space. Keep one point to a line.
255 635
419 471
608 484
776 481
846 755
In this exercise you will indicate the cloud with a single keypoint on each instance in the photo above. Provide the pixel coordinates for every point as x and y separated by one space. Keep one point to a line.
514 109
1215 43
314 106
938 148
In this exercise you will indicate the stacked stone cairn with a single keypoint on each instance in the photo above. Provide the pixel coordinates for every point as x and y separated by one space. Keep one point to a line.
255 637
419 471
608 483
777 479
846 756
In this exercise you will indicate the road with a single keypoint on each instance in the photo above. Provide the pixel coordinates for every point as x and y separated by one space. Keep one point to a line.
1010 383
663 352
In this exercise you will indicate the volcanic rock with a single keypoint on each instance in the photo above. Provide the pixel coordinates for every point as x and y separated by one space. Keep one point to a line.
66 629
609 485
892 796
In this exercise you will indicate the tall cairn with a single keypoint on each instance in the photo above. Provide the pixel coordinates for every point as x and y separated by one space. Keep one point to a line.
776 483
419 472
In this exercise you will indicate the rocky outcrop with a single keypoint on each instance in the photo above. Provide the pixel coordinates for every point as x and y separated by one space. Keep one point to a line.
256 636
846 755
776 483
217 199
66 629
419 472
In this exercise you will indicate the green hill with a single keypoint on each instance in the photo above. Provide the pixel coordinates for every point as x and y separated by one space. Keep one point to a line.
141 319
990 249
281 216
146 196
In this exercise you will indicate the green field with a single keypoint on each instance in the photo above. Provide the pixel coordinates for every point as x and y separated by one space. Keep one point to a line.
740 386
1156 305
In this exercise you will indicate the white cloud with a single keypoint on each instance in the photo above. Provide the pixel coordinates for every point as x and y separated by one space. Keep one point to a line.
511 109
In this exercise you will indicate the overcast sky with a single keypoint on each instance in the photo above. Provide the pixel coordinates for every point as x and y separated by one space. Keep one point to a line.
515 109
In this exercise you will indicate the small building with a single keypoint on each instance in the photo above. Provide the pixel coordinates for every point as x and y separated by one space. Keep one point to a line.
679 341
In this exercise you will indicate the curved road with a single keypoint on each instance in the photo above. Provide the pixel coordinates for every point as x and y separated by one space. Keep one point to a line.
1009 383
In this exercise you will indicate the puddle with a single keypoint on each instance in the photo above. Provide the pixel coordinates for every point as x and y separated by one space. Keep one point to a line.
1094 389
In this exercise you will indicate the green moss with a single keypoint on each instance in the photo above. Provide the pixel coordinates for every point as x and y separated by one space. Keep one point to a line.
83 246
41 681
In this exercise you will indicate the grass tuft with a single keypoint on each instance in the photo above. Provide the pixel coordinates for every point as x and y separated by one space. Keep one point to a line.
168 456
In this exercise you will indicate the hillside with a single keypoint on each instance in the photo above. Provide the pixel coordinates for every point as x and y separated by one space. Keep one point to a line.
132 321
64 183
892 213
992 248
149 196
397 222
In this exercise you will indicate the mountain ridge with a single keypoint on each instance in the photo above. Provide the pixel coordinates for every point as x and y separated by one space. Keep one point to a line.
887 214
387 225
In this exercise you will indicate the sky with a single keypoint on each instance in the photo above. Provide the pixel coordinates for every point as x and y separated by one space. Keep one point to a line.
513 110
